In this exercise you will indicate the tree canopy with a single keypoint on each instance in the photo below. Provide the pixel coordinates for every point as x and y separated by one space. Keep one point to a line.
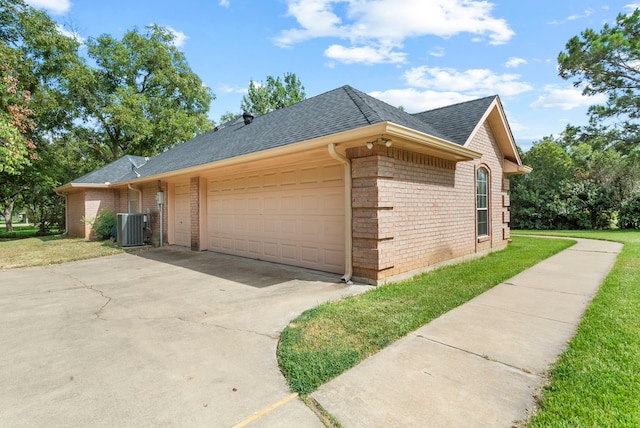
275 94
608 62
36 61
141 97
589 177
65 111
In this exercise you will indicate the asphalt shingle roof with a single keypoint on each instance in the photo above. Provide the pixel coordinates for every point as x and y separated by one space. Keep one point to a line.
457 121
339 110
121 170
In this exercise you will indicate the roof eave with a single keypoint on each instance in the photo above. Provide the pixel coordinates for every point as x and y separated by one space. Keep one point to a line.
497 120
403 137
70 186
511 168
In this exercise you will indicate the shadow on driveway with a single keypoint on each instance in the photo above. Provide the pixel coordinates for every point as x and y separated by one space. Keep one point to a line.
254 273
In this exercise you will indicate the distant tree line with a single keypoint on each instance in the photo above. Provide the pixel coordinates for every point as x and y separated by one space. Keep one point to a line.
589 177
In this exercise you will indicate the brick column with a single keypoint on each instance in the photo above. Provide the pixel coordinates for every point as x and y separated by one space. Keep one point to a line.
195 213
372 203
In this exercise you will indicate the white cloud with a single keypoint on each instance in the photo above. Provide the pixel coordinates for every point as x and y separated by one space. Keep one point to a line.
437 51
517 126
415 101
180 38
478 82
514 62
565 98
365 54
226 89
376 23
224 3
55 7
71 34
585 14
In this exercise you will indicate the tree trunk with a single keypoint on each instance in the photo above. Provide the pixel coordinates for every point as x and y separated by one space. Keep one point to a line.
8 217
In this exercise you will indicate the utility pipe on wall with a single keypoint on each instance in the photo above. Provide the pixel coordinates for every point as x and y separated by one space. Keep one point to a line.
348 244
139 192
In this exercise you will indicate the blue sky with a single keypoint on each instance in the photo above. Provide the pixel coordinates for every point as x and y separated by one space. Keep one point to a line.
420 54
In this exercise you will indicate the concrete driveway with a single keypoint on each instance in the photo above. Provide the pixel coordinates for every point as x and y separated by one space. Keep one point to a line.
160 337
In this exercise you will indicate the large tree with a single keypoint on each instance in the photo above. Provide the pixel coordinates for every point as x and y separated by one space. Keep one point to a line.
36 61
141 97
275 94
36 65
608 62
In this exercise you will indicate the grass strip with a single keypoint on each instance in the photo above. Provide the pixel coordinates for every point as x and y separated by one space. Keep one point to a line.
326 341
46 250
596 381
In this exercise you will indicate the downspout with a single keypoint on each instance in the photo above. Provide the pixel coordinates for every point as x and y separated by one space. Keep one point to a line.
139 192
348 235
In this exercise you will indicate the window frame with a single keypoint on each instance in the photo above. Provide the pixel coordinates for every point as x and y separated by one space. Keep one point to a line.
483 223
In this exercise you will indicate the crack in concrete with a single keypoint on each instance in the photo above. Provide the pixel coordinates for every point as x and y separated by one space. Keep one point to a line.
203 324
528 314
99 311
270 336
483 356
82 284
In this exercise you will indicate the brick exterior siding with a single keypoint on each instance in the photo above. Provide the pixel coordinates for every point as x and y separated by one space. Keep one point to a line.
412 211
75 212
194 189
87 204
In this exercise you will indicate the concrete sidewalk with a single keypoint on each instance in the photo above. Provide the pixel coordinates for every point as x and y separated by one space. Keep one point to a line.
480 364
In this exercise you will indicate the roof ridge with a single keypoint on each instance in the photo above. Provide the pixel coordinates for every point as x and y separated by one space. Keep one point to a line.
457 104
367 111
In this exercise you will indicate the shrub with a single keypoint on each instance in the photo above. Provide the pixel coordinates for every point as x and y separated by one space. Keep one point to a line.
104 225
629 217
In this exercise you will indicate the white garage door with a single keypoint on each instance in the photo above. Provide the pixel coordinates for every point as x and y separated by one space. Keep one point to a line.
293 215
182 219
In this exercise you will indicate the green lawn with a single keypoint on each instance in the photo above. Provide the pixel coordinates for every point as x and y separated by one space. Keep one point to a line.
596 382
20 230
46 250
329 339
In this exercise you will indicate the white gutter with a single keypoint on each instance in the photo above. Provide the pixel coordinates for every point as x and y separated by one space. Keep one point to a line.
348 240
139 197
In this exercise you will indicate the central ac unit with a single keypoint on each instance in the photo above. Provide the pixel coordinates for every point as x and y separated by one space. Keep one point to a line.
130 230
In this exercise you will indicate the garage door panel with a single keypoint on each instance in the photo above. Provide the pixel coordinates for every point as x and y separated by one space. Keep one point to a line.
288 178
309 175
271 250
290 228
332 173
310 254
227 244
293 216
240 245
334 258
333 229
289 252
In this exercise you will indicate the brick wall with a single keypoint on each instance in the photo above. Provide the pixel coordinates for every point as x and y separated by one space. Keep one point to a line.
194 189
412 211
409 211
87 204
75 211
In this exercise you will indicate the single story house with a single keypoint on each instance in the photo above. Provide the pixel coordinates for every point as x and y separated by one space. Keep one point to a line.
341 182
